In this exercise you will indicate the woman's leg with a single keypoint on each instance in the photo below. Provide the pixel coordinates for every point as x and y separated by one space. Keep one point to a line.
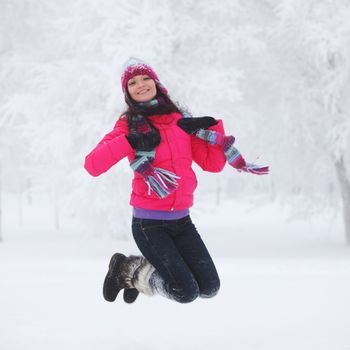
195 254
172 277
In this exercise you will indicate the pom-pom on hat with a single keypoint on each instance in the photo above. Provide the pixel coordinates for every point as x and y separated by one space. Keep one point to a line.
134 66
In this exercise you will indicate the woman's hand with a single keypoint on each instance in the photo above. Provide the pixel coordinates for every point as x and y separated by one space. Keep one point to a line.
192 125
143 142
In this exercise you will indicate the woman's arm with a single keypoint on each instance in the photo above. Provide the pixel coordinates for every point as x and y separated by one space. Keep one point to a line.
109 151
209 157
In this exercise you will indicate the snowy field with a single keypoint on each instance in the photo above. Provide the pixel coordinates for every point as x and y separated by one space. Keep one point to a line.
285 286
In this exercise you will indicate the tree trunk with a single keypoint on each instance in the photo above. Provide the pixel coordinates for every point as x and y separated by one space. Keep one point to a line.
0 204
57 217
56 210
20 204
29 191
345 193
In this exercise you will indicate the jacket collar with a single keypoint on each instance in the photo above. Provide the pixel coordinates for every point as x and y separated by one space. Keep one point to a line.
163 120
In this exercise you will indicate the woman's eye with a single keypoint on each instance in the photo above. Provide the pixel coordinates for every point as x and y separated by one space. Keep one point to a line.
146 78
131 83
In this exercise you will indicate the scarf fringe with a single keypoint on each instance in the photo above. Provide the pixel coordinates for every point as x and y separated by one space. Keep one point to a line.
256 169
162 182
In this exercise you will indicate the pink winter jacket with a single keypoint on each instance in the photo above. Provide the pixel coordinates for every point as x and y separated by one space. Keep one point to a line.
175 153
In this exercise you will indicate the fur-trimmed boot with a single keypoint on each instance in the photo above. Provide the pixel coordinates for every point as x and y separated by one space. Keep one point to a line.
129 273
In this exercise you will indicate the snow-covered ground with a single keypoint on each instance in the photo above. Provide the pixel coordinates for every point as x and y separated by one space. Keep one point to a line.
285 285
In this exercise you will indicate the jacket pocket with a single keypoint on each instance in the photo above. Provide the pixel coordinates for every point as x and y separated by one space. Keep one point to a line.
140 188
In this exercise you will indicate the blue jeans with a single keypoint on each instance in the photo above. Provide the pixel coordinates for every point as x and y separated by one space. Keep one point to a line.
184 268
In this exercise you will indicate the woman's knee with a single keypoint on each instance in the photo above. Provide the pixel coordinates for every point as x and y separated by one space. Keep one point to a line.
186 294
210 290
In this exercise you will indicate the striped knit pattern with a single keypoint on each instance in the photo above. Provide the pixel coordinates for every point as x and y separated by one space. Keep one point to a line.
161 181
233 156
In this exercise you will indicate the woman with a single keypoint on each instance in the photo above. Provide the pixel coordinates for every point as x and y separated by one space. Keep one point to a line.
161 141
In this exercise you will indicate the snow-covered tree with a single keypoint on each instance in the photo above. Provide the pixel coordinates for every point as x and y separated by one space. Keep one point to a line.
312 45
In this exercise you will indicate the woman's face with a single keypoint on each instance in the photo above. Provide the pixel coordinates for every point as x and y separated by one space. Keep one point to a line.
142 88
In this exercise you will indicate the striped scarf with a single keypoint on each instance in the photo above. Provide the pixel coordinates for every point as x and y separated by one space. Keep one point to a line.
164 182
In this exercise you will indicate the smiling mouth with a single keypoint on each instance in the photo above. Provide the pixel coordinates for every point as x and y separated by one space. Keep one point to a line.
142 92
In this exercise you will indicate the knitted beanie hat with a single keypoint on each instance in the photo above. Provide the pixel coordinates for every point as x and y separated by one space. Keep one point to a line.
134 66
